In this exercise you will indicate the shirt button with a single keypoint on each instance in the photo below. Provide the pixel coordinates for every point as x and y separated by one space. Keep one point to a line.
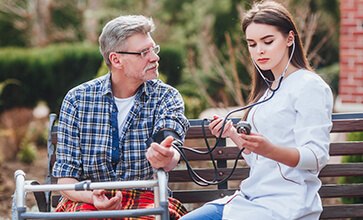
114 110
113 129
114 148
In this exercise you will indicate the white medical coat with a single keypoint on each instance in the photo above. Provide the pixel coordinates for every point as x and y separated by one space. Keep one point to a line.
298 115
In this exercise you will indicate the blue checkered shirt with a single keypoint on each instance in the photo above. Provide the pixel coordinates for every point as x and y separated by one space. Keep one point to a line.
90 145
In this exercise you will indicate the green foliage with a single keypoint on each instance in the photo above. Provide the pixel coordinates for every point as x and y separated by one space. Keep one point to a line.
28 153
323 49
46 74
13 37
35 23
227 21
355 136
171 64
194 101
5 83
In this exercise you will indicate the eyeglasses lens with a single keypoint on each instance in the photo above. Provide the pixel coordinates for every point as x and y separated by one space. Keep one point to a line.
155 49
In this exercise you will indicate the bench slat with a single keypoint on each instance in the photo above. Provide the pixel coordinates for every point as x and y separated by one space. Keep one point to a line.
330 170
346 148
351 125
220 153
342 211
343 169
209 174
335 191
196 132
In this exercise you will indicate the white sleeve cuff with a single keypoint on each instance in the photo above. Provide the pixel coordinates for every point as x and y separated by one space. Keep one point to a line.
308 159
247 158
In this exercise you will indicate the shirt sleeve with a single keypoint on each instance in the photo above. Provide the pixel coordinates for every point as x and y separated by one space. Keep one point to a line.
314 103
171 113
69 161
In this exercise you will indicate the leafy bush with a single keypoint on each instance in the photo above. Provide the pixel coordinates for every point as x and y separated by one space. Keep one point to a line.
28 153
171 64
46 73
194 101
7 82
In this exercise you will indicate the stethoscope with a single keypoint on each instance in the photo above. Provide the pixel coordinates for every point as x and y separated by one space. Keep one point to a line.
268 82
180 148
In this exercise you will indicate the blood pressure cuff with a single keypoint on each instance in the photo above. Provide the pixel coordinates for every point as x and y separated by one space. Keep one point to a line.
162 134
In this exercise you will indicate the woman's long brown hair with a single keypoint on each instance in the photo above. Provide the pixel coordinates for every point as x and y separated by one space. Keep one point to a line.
275 14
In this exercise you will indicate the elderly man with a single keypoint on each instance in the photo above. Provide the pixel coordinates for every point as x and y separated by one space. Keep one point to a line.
106 124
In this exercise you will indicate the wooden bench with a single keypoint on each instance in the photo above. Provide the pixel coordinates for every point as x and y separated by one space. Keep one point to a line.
194 196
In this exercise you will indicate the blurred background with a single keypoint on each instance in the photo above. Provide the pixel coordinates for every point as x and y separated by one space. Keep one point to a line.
49 46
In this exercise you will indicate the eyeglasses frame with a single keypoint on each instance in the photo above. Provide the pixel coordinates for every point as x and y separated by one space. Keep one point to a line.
142 54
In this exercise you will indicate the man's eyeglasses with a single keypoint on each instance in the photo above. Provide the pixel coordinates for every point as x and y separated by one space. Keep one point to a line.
143 54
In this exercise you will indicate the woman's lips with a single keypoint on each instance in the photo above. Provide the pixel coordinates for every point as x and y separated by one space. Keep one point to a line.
262 60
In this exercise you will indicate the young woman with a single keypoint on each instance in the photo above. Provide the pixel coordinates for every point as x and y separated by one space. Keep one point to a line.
289 140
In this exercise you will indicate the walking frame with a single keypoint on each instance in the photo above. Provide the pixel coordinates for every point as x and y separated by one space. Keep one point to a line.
159 183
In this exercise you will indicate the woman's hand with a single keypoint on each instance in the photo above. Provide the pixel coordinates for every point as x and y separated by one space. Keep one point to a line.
260 145
216 125
229 131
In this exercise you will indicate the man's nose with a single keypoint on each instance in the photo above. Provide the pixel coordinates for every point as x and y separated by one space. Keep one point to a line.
153 56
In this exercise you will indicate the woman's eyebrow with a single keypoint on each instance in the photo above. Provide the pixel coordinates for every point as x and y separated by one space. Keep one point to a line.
267 36
262 38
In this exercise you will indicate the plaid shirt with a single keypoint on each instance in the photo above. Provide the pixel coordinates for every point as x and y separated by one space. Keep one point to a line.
89 142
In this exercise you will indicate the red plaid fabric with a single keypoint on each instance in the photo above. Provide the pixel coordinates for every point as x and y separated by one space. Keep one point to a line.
131 199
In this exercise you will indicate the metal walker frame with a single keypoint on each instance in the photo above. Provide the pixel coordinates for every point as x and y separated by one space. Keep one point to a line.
159 184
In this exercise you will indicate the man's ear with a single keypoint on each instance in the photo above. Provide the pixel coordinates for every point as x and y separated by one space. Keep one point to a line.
115 60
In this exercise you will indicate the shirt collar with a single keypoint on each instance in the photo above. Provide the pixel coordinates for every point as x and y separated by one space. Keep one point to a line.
106 81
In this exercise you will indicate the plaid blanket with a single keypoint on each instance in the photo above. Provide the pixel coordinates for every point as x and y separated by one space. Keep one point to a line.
131 199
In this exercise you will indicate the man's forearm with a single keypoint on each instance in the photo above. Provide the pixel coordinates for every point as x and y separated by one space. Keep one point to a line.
76 196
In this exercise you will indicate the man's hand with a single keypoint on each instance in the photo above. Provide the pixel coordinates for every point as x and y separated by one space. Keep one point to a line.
163 155
101 202
95 197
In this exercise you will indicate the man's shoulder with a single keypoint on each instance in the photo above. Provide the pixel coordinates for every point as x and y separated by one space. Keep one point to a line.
96 84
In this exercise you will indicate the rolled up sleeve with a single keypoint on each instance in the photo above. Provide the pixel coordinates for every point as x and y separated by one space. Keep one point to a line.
313 125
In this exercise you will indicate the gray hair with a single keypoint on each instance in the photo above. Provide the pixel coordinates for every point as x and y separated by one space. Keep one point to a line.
116 31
